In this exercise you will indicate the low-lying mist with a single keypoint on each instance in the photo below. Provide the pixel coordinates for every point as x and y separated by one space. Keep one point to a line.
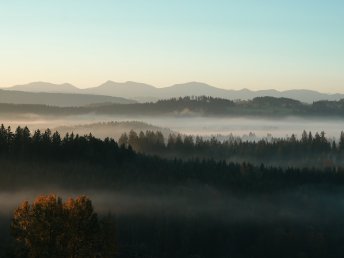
203 126
299 204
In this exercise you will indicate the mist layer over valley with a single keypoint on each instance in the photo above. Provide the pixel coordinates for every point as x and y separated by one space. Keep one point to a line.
203 116
171 129
113 126
197 179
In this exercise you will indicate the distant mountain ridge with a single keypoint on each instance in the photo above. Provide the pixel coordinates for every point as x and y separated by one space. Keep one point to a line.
58 99
46 87
145 93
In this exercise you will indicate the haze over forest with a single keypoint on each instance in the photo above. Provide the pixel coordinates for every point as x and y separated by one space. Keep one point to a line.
148 156
165 129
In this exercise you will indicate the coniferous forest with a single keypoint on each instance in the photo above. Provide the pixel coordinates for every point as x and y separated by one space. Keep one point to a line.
171 129
191 106
197 197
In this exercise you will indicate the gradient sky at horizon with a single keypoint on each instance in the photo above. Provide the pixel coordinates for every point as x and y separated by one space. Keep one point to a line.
229 44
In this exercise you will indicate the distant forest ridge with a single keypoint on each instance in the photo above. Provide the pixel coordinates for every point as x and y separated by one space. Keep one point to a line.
193 106
308 151
145 93
111 129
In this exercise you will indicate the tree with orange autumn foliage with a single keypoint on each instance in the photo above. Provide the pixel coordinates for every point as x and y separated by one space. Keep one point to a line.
50 228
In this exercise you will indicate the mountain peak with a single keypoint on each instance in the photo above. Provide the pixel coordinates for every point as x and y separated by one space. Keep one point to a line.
193 84
127 83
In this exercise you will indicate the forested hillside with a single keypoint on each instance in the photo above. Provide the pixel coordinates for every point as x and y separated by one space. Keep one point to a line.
197 207
106 163
194 106
310 150
113 129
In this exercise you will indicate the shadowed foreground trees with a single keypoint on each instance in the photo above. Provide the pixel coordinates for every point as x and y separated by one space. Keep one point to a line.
85 162
50 228
202 208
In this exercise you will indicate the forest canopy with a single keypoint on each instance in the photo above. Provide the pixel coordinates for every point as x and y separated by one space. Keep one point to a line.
199 205
106 163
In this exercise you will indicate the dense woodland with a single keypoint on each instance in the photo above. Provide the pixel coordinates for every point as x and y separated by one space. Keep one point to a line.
113 129
210 207
113 162
189 106
310 150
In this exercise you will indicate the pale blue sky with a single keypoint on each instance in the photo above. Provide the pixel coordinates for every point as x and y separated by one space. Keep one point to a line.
229 44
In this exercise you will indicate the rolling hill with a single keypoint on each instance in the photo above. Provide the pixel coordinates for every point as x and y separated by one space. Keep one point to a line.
112 129
146 93
45 87
58 99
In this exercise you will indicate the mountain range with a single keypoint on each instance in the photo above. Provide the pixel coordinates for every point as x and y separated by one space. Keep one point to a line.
146 93
58 99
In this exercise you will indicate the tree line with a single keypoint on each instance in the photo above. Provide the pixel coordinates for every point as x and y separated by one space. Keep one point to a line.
51 145
315 149
86 161
195 105
33 160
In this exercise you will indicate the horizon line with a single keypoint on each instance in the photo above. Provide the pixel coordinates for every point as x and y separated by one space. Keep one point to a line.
175 84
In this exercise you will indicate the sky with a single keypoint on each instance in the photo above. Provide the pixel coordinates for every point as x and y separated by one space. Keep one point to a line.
255 44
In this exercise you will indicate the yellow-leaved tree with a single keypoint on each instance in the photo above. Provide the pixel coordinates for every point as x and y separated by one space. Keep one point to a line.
50 228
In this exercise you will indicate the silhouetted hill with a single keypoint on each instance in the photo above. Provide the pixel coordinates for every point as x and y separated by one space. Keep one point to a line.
57 99
147 93
191 89
112 129
138 91
46 87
